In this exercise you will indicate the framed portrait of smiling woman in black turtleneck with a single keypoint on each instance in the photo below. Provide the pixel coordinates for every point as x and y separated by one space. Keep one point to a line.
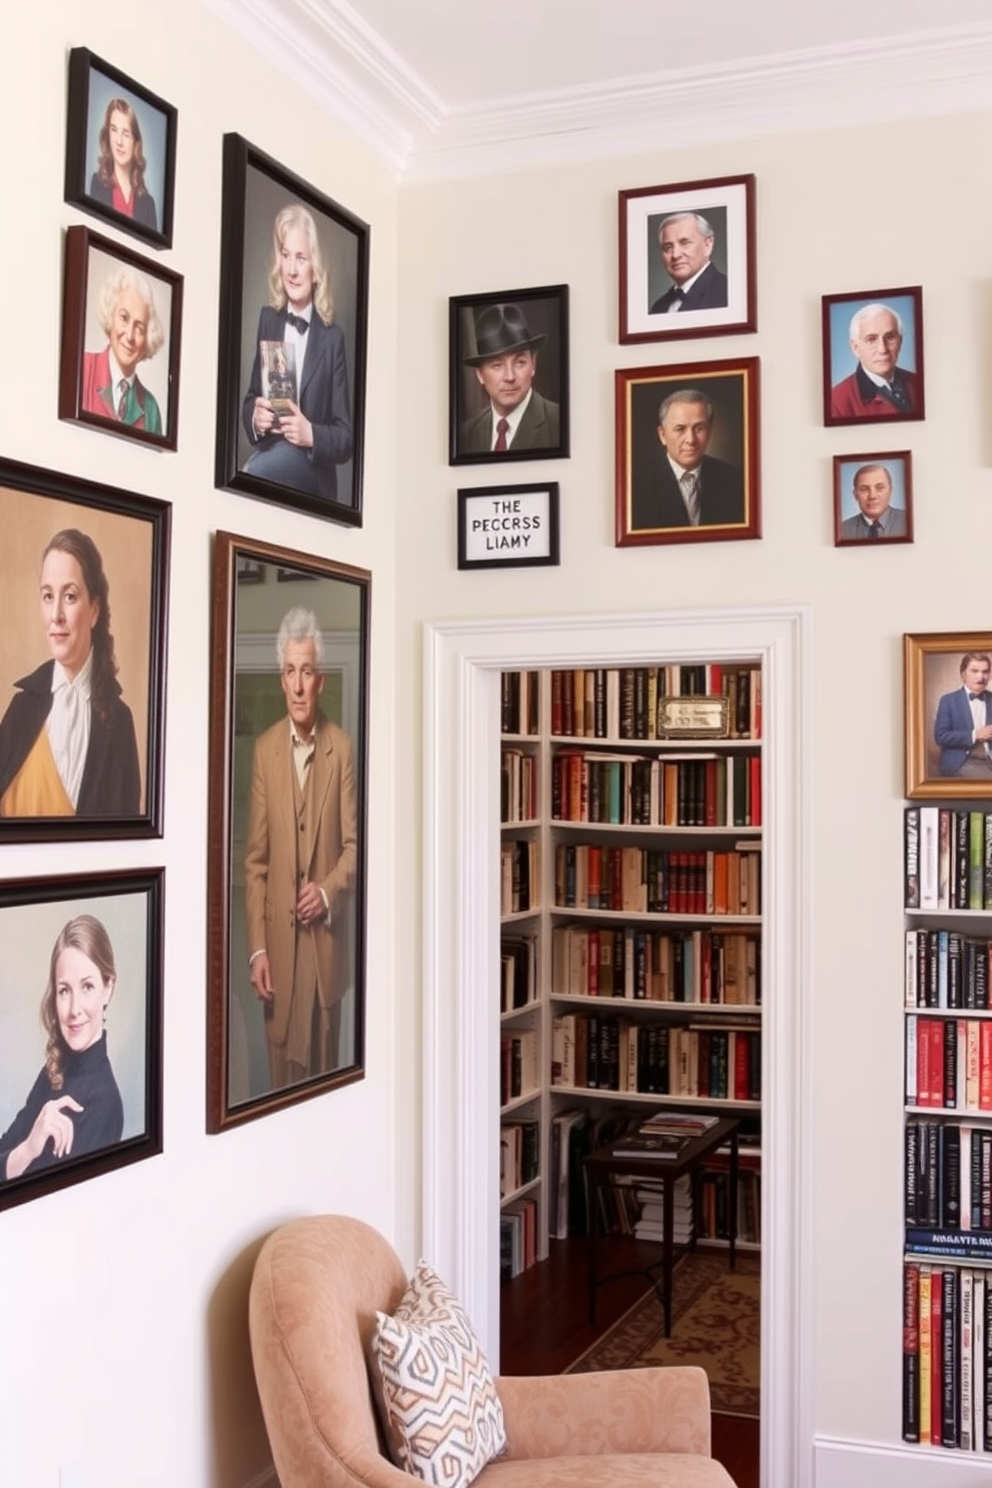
80 1028
84 575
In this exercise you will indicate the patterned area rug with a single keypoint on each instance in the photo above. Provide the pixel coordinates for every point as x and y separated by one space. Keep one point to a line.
716 1322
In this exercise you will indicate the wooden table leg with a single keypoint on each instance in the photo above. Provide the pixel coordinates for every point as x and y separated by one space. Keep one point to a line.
593 1242
668 1227
734 1174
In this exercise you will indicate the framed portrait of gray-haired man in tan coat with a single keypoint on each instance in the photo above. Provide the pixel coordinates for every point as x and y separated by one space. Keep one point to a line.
287 840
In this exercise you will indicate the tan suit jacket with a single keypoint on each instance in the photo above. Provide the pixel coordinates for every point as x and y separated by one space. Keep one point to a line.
328 857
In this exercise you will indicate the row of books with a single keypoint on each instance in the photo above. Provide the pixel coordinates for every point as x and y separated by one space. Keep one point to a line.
948 1187
714 1204
518 883
518 971
628 961
635 880
517 1238
518 780
520 700
947 1357
945 969
519 1155
609 1053
661 791
626 702
519 1067
949 1063
948 858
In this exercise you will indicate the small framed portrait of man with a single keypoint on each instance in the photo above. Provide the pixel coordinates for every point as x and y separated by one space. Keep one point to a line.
508 376
948 723
120 155
121 331
873 356
288 773
687 453
687 265
873 498
293 329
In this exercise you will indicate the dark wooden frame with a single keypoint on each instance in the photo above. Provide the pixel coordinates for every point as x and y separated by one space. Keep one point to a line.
514 527
242 295
639 392
903 458
838 358
66 897
80 244
224 1109
931 668
73 501
642 280
79 148
545 311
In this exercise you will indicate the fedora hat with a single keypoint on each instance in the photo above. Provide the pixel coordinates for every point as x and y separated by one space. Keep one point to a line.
500 329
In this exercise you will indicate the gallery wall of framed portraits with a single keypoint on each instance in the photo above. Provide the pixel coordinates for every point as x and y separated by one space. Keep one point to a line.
190 1213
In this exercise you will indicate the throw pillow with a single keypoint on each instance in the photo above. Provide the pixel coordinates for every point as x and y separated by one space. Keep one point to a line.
440 1409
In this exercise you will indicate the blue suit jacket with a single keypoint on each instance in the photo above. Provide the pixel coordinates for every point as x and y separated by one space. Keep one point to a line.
954 729
323 397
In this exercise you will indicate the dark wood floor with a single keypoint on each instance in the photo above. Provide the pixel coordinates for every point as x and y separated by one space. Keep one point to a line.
544 1325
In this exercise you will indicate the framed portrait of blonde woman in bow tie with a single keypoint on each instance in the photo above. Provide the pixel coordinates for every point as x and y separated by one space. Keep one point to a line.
948 720
84 573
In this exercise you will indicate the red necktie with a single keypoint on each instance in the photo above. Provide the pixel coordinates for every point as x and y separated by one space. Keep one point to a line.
501 429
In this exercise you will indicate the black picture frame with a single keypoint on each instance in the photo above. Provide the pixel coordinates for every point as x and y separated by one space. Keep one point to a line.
849 395
649 505
328 481
99 274
250 762
722 298
509 526
111 1131
535 323
131 535
94 85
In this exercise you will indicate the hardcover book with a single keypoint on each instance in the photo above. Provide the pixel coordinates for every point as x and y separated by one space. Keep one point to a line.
278 360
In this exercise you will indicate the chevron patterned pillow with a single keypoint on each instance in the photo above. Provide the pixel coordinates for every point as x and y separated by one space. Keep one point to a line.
441 1412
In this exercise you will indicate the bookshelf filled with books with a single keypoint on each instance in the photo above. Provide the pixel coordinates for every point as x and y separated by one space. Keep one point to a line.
631 892
947 1269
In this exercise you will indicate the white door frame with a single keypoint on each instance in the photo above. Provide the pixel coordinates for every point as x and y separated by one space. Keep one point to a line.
463 660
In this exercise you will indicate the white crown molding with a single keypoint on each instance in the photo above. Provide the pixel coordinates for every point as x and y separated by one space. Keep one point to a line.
326 47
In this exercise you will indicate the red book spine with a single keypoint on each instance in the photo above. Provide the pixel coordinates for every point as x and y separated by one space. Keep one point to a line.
754 788
936 1031
985 1065
742 1065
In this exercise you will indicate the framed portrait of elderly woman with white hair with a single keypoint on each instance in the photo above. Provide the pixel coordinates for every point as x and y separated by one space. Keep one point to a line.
121 329
120 153
80 1028
293 329
84 575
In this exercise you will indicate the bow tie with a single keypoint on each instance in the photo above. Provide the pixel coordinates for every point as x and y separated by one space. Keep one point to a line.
977 697
299 321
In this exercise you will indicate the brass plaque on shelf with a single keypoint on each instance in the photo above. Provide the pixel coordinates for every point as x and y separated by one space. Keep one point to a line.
694 718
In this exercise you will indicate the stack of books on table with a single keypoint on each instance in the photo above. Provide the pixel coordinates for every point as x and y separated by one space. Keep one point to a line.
650 1226
663 1135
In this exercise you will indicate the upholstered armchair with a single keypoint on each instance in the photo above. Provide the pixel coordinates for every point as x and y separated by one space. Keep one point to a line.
317 1285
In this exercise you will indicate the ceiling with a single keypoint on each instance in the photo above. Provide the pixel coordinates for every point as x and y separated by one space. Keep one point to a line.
440 89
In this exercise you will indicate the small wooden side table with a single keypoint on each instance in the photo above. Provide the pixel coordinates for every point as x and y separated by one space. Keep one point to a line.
603 1165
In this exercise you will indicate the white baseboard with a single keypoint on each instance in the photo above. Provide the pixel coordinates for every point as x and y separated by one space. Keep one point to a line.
856 1464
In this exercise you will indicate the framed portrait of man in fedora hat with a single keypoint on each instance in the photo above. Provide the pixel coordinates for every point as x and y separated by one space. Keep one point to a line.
509 376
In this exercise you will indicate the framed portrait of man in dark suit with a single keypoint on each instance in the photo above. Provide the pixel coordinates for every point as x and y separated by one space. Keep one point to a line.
687 453
508 376
293 332
687 265
948 715
288 835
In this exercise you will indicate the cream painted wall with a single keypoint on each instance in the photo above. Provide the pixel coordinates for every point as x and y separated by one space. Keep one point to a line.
123 1327
837 212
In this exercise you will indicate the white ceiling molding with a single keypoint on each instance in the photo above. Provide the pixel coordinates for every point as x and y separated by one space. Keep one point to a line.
325 46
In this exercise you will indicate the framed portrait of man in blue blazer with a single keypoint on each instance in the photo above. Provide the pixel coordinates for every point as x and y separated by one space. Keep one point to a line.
948 708
293 332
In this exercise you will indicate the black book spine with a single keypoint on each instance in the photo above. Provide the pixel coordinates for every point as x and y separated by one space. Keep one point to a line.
950 1174
950 1357
912 1169
933 1172
957 987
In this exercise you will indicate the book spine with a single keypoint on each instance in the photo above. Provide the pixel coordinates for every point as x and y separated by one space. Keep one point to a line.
911 837
950 1378
926 1352
911 1354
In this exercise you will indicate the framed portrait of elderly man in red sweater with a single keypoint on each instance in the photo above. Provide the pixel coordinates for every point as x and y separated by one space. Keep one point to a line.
873 356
